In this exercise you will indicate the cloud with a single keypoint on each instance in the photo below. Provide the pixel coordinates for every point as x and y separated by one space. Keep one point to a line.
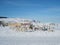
50 10
12 3
22 4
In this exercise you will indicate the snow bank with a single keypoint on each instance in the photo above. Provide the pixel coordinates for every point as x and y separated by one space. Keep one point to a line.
6 31
10 37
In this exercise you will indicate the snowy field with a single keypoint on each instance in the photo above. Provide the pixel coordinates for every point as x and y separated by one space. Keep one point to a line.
30 41
9 37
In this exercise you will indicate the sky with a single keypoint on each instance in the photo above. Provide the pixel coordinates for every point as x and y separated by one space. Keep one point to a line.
42 10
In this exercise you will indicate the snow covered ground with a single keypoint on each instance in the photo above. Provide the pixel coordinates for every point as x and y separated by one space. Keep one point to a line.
9 37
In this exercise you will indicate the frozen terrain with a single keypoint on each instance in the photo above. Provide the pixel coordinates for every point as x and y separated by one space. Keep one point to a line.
9 37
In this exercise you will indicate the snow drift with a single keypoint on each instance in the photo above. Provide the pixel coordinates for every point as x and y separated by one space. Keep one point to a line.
6 31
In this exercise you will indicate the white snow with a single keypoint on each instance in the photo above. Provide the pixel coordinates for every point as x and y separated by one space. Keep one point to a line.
10 37
6 31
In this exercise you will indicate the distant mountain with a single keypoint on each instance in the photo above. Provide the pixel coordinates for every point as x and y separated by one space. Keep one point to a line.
3 17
